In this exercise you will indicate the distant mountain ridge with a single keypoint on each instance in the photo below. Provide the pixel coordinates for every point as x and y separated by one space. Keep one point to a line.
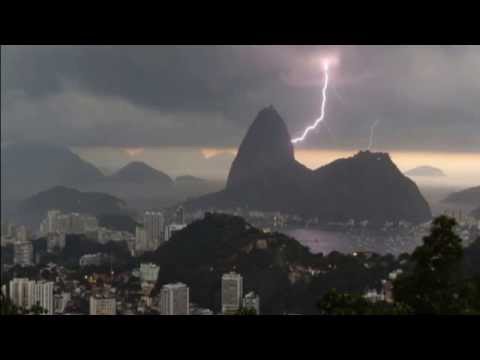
476 213
265 176
470 196
28 168
425 171
35 208
139 172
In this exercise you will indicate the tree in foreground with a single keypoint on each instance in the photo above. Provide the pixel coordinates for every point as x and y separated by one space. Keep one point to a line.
9 308
335 303
435 283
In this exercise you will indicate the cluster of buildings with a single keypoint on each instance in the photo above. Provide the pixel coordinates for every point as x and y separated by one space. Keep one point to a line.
20 237
72 223
57 225
27 293
232 295
12 234
154 232
175 298
105 299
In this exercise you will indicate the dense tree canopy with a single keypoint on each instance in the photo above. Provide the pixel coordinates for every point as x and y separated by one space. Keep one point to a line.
435 284
8 308
437 280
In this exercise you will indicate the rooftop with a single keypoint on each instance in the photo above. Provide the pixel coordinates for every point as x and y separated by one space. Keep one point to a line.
175 285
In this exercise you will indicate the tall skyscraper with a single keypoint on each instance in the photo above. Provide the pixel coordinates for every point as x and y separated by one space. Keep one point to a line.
52 221
232 292
175 299
140 240
23 234
180 215
153 223
23 253
21 292
43 295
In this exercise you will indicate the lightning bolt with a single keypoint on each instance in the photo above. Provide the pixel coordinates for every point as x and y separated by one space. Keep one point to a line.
372 131
322 113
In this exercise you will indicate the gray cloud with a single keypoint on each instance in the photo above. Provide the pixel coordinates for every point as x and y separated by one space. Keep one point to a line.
425 96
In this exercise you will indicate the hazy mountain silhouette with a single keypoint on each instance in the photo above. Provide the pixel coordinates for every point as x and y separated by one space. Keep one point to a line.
425 171
28 168
470 196
134 181
476 213
266 176
34 209
140 173
189 180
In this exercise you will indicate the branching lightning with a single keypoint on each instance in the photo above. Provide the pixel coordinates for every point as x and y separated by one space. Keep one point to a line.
322 113
372 132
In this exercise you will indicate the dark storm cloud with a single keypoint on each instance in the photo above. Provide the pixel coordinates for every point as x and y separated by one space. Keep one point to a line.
424 97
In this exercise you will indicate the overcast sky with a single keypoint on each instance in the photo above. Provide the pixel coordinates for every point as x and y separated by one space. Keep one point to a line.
425 97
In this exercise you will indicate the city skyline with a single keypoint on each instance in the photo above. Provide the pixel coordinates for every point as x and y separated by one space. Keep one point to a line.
240 180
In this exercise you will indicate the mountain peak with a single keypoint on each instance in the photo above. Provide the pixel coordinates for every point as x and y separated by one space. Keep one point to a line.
30 167
425 170
139 172
266 145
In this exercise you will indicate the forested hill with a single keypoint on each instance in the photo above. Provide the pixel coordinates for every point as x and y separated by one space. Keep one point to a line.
274 265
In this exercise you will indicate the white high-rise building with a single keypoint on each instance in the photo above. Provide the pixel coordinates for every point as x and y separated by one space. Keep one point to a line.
43 295
180 215
149 272
103 304
153 223
64 223
21 292
74 223
52 221
55 241
23 253
26 293
232 292
175 299
90 223
252 301
172 228
23 234
140 240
